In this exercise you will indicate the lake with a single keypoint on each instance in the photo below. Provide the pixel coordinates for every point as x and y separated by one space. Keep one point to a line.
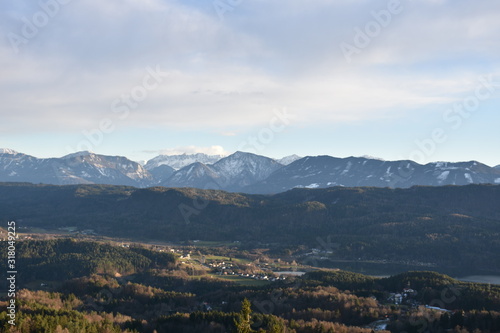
492 279
389 269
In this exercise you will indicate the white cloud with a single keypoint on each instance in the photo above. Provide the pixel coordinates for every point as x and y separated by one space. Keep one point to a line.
236 72
456 32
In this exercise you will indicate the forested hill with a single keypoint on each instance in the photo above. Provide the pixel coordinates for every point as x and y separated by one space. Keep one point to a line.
64 259
452 225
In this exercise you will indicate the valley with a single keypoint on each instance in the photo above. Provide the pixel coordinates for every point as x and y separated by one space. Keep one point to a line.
113 286
113 258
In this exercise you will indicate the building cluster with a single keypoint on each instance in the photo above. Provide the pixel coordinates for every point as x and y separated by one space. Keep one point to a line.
229 268
404 297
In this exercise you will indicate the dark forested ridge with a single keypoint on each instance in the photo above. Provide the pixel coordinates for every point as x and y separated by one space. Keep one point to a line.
64 259
456 226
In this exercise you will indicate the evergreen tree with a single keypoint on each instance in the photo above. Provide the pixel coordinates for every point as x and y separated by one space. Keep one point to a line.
242 322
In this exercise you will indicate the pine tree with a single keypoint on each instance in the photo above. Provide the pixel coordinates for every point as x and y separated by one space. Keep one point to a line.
242 322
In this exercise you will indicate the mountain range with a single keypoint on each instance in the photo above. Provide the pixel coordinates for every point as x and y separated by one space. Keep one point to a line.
240 172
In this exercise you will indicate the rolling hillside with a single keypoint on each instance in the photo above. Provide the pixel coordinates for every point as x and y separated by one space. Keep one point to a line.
451 226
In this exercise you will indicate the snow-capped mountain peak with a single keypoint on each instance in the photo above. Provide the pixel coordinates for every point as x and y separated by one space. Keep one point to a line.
197 175
326 171
368 157
233 172
178 162
241 171
78 168
288 159
78 154
8 151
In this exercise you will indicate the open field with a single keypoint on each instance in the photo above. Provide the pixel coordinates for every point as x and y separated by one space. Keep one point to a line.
242 281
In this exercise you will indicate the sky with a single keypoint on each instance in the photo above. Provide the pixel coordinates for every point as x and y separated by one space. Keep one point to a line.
392 79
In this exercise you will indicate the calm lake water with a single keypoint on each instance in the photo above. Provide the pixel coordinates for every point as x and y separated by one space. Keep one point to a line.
386 269
373 269
493 279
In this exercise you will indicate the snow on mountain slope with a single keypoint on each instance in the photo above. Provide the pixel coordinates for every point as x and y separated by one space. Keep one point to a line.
77 154
162 173
288 159
8 151
95 168
244 172
18 167
242 169
230 173
197 175
79 168
178 162
325 171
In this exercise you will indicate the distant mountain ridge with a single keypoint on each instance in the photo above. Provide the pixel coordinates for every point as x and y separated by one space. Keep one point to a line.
288 159
78 168
232 173
178 162
327 171
240 172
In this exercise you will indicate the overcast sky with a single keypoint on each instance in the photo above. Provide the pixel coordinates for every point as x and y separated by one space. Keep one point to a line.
398 80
